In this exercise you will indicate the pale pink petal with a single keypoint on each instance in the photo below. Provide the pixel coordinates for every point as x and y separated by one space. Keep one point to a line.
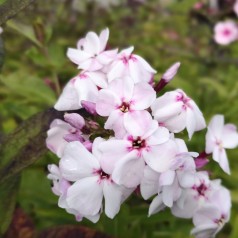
86 89
95 147
143 96
77 56
204 231
123 88
206 215
94 218
219 155
80 43
187 179
103 38
190 122
176 123
69 99
85 196
129 171
107 57
135 71
107 102
92 43
145 64
187 211
200 121
156 205
167 178
112 151
112 195
98 78
149 183
166 106
115 122
137 122
77 162
167 196
182 147
229 137
55 136
118 70
92 64
127 51
235 7
216 126
161 135
160 157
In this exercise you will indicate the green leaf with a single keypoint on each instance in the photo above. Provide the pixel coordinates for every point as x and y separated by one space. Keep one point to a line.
25 30
1 52
8 191
29 87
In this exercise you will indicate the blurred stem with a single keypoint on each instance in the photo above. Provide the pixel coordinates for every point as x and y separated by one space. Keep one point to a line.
55 78
27 143
11 7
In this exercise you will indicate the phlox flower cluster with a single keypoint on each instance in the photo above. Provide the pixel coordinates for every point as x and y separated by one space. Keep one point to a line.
129 141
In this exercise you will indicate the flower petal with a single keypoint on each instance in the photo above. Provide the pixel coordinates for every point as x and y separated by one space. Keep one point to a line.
156 205
77 162
69 99
85 196
113 196
143 96
129 171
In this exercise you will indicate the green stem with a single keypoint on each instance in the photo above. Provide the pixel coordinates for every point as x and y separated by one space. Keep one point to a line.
11 7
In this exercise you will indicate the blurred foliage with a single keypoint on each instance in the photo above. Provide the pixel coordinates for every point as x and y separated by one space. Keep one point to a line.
36 68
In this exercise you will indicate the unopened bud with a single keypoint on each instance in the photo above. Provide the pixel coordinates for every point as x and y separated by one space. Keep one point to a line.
75 120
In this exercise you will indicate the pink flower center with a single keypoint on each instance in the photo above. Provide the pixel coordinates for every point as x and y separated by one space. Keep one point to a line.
138 143
201 189
219 144
181 98
220 221
83 76
124 107
102 174
125 59
226 32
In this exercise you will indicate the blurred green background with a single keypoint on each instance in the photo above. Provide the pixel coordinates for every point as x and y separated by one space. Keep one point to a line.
163 32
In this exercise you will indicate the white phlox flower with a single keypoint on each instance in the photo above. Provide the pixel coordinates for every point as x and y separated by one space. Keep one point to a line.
219 137
176 111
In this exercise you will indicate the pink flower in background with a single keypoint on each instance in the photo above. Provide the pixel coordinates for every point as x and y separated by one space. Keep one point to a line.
225 32
90 53
220 137
176 111
124 103
235 7
128 64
